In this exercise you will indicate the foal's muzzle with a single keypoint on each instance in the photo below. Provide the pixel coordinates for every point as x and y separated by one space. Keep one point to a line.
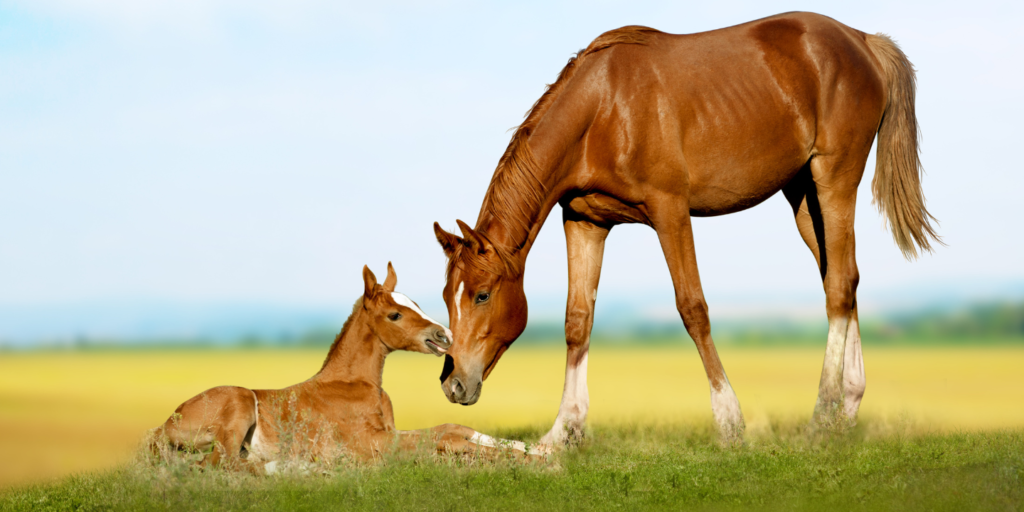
437 341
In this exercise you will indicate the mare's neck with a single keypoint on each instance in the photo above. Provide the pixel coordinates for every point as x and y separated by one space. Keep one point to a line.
518 201
356 355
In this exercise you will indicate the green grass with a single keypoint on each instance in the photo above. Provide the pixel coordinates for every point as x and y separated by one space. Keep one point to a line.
632 467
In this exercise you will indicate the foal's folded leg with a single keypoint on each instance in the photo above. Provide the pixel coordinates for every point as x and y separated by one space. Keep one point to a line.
217 418
452 438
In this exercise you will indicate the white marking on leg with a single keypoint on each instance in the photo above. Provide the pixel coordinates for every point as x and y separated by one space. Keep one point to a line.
830 388
486 440
854 380
257 446
572 412
458 300
726 409
401 299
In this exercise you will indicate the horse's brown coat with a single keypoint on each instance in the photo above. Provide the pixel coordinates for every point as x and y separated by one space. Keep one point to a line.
655 128
341 409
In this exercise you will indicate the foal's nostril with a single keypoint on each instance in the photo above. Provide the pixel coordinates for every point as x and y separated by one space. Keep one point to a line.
439 334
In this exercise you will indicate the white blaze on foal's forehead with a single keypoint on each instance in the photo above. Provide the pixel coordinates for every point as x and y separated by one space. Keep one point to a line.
407 302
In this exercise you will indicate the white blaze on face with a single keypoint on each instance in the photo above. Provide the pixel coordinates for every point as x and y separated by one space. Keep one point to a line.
458 300
407 302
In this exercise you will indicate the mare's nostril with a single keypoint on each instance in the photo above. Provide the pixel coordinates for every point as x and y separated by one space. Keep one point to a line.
457 389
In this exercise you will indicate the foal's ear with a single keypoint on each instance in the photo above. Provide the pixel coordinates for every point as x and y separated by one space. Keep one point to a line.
391 280
476 241
447 240
369 283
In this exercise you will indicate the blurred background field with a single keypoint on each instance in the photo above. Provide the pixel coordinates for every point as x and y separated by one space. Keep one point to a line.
188 193
67 411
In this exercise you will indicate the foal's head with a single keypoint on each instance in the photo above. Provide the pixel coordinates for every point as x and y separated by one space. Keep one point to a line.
397 321
486 308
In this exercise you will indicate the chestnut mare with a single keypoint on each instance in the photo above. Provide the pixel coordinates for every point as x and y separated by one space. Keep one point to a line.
342 407
655 128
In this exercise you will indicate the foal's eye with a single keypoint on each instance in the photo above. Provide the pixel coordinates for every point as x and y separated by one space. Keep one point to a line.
394 316
482 297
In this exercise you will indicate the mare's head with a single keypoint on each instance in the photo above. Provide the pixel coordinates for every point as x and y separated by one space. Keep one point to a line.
398 321
486 310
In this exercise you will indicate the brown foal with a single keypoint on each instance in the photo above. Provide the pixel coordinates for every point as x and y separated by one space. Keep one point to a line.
341 409
655 128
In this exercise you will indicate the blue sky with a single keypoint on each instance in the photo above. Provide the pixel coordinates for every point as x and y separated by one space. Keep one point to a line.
256 152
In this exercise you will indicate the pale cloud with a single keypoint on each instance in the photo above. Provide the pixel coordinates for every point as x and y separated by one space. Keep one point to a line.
202 18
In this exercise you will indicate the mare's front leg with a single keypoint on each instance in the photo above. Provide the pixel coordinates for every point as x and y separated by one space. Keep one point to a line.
671 219
585 247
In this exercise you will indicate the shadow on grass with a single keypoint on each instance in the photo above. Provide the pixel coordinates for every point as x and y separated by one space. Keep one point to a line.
874 465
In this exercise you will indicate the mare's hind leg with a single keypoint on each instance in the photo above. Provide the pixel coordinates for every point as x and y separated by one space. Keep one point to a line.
671 219
216 419
802 195
835 176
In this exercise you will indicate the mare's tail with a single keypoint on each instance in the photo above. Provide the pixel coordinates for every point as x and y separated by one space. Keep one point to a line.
897 182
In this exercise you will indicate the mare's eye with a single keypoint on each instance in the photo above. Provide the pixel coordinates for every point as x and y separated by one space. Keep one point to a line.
394 316
482 297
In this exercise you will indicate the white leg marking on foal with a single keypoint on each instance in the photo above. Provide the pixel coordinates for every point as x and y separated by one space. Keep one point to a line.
257 447
486 440
458 300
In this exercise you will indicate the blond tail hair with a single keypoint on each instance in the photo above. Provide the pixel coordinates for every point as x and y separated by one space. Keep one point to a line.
897 183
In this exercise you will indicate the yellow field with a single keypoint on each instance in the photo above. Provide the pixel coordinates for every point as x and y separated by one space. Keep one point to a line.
67 412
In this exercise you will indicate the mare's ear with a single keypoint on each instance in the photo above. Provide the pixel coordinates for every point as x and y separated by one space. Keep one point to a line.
447 240
476 241
391 280
369 283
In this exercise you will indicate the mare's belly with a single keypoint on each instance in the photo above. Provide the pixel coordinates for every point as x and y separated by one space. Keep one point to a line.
730 172
736 191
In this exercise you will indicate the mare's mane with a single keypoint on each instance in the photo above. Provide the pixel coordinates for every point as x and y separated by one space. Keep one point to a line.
344 330
515 190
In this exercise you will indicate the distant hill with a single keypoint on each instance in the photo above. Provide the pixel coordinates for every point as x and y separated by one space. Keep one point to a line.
976 322
148 324
998 319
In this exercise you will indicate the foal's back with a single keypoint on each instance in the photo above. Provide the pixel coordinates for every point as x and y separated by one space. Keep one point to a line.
326 415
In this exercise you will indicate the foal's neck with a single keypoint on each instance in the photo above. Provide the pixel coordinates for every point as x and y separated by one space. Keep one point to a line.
356 355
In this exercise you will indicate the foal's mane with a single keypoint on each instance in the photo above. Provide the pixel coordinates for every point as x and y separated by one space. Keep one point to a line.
344 330
515 190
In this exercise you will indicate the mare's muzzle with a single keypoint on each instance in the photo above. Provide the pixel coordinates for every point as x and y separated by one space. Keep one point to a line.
457 387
